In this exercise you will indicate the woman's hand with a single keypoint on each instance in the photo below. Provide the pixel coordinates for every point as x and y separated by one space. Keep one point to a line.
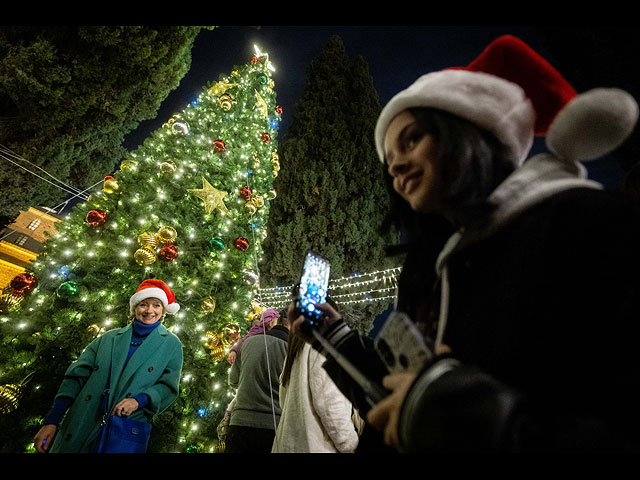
125 407
44 437
330 316
232 357
384 415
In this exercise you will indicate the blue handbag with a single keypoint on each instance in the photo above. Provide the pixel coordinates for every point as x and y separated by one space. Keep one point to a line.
120 434
123 435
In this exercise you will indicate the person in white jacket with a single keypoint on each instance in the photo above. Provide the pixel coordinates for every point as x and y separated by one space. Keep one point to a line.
316 416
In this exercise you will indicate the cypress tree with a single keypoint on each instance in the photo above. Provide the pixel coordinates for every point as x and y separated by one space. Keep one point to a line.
69 95
331 196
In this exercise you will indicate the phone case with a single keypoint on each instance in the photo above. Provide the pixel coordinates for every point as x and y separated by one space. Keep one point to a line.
400 344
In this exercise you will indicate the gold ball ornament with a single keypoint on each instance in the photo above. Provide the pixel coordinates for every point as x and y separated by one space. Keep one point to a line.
230 333
144 256
127 164
258 201
148 240
167 234
10 395
215 346
209 304
256 160
251 208
226 102
95 330
271 195
9 302
110 185
168 167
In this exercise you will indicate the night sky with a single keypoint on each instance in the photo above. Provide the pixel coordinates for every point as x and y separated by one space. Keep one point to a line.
396 55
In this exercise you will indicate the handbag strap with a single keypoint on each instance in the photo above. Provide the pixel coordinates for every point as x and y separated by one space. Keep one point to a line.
105 399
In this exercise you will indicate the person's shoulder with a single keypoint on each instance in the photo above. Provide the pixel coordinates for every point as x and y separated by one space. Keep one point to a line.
172 337
279 333
590 199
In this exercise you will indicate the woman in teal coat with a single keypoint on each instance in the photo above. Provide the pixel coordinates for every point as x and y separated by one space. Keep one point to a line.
141 363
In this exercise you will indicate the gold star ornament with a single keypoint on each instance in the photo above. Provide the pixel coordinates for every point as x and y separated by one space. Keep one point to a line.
211 197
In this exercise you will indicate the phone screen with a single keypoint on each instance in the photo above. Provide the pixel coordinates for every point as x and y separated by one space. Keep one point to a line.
313 285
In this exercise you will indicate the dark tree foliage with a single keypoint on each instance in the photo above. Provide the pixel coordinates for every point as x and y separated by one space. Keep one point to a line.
69 95
331 196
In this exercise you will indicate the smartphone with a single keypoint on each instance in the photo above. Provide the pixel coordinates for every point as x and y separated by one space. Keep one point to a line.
401 346
313 289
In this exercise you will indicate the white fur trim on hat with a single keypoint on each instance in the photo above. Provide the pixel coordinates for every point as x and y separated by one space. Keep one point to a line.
153 292
490 102
592 124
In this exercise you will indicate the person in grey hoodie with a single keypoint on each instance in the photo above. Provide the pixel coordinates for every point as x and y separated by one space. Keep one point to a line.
520 275
255 374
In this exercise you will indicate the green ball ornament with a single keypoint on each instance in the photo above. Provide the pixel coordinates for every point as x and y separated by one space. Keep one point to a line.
216 244
68 290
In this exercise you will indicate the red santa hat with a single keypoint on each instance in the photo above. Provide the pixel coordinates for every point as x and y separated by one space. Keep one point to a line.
155 289
512 92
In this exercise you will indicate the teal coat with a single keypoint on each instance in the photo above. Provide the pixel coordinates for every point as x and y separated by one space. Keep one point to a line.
153 369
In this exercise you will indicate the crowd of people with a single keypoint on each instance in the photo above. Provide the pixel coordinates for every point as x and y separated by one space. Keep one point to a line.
520 276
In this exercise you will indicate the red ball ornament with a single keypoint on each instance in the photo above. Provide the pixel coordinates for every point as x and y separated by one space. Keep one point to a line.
241 243
96 218
168 252
219 146
23 284
245 192
279 110
254 59
266 137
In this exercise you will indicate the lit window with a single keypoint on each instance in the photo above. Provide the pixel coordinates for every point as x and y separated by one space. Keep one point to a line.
34 224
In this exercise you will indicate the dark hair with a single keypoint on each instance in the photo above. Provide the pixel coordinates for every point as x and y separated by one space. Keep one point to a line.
294 345
282 319
472 164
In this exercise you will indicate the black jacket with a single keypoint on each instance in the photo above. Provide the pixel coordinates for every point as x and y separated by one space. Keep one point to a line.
543 326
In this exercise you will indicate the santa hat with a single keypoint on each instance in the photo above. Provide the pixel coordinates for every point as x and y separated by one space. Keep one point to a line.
512 92
155 289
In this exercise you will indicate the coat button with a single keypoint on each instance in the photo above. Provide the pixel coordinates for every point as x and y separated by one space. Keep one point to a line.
67 436
88 398
128 394
151 369
96 367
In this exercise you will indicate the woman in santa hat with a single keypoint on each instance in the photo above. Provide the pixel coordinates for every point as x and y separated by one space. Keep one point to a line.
138 365
520 275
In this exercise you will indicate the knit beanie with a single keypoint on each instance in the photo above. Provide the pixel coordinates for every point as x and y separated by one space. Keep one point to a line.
268 315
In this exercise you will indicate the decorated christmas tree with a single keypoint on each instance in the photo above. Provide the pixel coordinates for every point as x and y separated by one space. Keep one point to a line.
188 207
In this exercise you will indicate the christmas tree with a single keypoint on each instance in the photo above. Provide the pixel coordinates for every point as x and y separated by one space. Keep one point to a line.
188 207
